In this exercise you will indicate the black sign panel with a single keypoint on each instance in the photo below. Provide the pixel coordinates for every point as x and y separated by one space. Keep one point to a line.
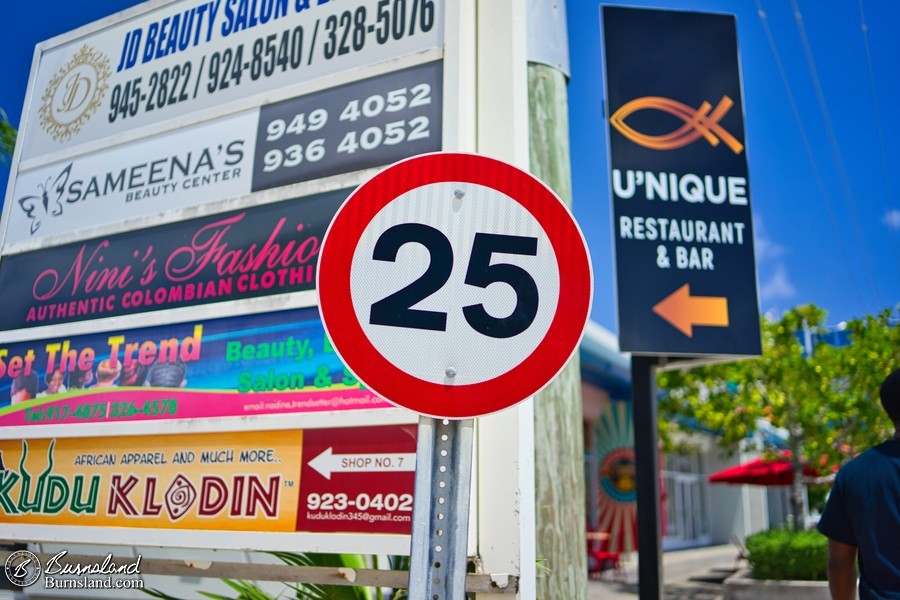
680 191
259 251
376 121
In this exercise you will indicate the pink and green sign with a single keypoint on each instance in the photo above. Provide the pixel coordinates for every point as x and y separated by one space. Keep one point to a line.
269 363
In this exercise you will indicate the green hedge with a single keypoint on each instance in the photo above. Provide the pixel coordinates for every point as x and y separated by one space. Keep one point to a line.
784 554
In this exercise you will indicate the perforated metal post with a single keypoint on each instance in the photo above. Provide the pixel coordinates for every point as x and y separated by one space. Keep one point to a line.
437 569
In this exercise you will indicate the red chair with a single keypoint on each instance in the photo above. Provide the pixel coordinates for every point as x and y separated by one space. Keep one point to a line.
600 559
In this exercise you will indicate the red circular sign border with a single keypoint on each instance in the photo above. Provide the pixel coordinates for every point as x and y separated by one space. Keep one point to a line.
454 401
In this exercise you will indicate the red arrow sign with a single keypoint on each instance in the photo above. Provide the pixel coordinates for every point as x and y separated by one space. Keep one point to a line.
684 311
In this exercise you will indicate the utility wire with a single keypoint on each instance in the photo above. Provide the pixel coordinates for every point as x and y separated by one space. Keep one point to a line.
809 152
888 192
836 152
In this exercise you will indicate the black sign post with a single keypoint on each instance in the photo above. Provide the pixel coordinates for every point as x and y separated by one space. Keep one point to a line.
686 274
646 464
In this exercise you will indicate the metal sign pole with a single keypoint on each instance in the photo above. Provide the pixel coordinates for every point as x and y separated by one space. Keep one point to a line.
646 462
437 569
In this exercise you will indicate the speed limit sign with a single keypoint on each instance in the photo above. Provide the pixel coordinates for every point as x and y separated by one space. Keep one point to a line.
454 285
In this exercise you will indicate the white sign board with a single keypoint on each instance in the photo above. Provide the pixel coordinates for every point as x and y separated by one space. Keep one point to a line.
346 128
186 57
186 167
179 104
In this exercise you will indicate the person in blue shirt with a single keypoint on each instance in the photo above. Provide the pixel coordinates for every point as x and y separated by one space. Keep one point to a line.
862 516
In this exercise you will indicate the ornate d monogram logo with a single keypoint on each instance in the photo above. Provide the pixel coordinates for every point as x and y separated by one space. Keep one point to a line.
74 93
697 123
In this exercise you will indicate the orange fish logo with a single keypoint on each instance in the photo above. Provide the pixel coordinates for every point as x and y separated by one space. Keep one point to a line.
697 123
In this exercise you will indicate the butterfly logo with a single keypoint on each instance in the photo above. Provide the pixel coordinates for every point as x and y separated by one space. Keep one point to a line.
47 201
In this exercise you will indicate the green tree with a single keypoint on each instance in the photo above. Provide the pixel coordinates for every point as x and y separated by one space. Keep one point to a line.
7 138
826 398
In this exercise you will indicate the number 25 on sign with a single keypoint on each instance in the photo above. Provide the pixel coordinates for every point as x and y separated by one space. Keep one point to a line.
454 285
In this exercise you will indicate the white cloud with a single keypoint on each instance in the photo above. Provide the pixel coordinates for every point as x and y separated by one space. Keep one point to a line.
773 314
892 219
765 247
779 286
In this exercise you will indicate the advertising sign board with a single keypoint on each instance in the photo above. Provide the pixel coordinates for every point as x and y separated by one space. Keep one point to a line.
362 124
247 481
162 111
263 364
358 479
259 251
680 191
187 167
188 57
350 127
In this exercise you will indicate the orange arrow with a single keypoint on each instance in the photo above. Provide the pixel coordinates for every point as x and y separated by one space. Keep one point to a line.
684 311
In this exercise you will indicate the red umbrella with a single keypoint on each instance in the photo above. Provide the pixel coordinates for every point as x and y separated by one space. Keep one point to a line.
763 472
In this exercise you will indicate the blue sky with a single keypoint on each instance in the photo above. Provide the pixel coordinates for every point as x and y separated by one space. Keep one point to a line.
819 98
